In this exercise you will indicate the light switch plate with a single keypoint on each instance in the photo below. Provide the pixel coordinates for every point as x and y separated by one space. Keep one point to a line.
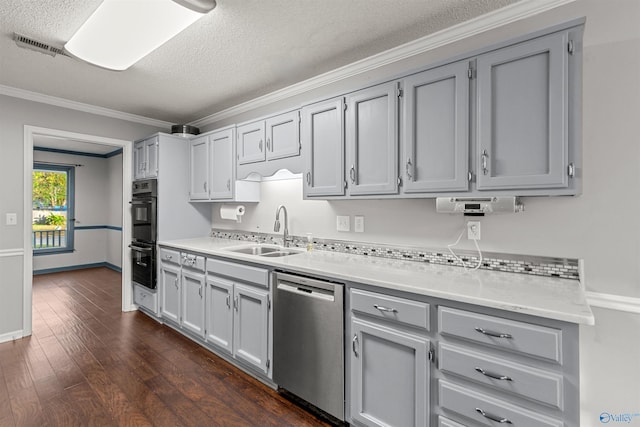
342 222
358 223
12 219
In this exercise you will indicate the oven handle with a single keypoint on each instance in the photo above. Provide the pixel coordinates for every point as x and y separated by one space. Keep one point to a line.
140 249
140 202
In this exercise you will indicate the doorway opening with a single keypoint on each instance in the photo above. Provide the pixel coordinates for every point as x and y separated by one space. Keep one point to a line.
32 133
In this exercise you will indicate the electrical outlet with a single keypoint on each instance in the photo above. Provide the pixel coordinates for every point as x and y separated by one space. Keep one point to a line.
342 222
473 230
358 223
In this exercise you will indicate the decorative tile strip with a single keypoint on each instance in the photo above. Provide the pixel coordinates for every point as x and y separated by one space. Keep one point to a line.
566 268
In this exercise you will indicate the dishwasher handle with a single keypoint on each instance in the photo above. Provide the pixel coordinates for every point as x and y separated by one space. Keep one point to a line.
307 291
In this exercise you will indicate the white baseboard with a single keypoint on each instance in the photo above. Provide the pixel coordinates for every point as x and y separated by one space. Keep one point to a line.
614 302
11 336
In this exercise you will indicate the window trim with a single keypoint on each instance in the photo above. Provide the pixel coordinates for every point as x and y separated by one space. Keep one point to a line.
71 186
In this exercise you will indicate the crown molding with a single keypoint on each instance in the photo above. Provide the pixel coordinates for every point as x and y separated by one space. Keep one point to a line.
515 12
79 106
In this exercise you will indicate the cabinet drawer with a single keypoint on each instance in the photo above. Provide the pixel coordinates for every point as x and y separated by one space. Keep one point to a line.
511 377
446 422
399 310
169 256
246 273
192 261
146 298
487 410
533 340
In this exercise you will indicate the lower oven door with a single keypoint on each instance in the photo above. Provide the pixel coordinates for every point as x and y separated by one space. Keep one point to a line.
143 265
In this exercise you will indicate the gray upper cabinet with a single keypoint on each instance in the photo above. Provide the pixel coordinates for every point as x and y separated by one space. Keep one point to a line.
222 179
523 115
283 135
323 145
199 168
251 142
372 140
436 130
145 158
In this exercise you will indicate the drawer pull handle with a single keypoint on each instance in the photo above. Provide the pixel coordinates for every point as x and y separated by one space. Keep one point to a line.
494 376
493 417
386 309
493 334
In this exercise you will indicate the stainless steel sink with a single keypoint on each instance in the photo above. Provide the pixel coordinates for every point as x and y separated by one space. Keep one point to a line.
271 251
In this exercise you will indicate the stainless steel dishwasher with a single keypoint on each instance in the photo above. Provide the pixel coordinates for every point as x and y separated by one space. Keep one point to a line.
308 345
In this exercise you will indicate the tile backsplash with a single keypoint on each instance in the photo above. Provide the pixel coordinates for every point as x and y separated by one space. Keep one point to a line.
566 268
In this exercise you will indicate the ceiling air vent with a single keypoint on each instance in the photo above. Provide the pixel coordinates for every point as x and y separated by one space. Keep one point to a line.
38 46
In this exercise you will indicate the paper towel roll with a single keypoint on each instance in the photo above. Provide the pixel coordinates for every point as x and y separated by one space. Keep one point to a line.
232 212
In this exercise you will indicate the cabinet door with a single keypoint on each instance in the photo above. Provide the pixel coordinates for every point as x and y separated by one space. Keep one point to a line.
251 144
151 147
219 324
283 135
138 160
170 293
251 326
221 148
436 130
389 377
323 148
372 140
199 169
192 317
522 115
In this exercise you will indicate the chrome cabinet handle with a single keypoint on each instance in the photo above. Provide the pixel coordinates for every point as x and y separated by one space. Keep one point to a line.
235 303
383 308
269 146
228 184
354 341
229 301
491 375
204 185
492 334
408 169
352 174
309 178
260 146
491 417
484 158
200 291
175 282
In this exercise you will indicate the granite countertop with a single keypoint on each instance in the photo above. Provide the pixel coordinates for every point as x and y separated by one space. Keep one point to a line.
549 297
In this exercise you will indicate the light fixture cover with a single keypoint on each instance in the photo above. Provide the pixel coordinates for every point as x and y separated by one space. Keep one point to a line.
121 32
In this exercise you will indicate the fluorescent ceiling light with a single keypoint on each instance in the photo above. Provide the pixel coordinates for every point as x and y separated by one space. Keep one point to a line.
121 32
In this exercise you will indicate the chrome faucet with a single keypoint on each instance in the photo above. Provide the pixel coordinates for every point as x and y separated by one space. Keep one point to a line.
276 227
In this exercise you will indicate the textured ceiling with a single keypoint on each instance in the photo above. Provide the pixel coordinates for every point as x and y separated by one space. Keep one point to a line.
241 50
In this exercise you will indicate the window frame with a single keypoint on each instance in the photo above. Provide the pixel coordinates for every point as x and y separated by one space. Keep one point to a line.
69 233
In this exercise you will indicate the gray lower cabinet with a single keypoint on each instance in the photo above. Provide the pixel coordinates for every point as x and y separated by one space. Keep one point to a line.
170 292
523 115
145 298
389 360
372 140
192 299
435 130
238 309
323 148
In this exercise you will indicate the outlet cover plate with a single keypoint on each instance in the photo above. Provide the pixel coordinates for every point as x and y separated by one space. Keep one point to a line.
358 223
473 230
342 222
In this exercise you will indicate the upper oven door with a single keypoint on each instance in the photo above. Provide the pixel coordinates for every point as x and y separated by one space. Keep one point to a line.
143 215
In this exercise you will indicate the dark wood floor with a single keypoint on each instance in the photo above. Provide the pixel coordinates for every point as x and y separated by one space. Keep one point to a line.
89 364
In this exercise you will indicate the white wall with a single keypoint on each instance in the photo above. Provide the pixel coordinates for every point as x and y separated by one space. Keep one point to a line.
599 226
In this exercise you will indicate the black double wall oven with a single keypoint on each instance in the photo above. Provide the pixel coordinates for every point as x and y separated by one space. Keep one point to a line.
144 217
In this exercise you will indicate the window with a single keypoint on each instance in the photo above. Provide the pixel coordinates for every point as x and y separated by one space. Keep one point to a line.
53 215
